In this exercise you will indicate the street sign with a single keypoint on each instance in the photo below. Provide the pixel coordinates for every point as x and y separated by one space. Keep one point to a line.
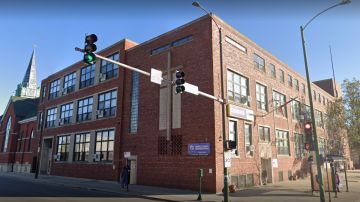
191 88
127 154
227 159
199 149
275 163
156 76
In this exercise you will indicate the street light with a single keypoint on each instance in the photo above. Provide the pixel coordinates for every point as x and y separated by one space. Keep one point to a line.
223 104
302 28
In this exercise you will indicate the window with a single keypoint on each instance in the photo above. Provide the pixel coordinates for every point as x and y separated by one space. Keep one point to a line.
66 113
107 103
279 104
319 97
63 145
105 145
69 83
272 70
181 41
303 88
295 110
282 142
82 145
233 134
318 118
314 96
7 134
160 49
290 80
296 84
261 98
43 95
54 89
299 145
324 103
259 62
237 88
51 117
264 134
307 113
134 102
281 76
84 111
248 140
87 75
109 70
235 44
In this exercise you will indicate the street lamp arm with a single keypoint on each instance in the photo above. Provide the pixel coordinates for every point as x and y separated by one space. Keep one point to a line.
197 4
338 4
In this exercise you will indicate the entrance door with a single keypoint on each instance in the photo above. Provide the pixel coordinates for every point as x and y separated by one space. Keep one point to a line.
45 164
133 170
266 166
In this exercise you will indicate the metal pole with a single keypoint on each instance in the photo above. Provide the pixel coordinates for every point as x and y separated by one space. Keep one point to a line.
223 110
316 147
333 72
327 177
347 186
37 168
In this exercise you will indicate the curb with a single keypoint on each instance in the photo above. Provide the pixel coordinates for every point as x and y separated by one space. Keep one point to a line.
69 185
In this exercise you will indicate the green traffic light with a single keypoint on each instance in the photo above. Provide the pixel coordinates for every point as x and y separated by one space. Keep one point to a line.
89 58
180 89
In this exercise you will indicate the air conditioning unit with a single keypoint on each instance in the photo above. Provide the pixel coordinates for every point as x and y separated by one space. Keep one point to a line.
64 91
100 113
61 122
252 148
245 99
97 157
102 77
57 157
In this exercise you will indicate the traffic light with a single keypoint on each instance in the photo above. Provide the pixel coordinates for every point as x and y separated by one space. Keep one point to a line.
308 128
180 81
308 136
90 47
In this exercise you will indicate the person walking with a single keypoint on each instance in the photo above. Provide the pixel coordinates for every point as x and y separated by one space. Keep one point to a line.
264 176
124 180
337 181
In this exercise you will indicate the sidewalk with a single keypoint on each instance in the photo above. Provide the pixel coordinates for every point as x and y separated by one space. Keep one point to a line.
285 191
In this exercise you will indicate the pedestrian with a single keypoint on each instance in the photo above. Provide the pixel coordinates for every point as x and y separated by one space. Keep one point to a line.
264 176
124 178
337 181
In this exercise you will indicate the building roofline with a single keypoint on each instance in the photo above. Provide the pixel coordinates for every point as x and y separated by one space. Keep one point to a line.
168 32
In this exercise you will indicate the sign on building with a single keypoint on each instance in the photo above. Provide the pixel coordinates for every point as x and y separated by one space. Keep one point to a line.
240 112
199 149
275 163
227 159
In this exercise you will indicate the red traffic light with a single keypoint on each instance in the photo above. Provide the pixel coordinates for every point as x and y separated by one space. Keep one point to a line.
92 38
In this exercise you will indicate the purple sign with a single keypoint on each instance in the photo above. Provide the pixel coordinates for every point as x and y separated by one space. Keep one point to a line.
199 149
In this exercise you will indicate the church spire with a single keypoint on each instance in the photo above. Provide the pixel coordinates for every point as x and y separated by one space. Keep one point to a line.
28 87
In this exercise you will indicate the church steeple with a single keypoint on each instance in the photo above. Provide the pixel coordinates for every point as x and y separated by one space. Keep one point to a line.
28 87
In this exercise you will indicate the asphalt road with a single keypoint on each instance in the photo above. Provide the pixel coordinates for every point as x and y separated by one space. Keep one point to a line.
16 189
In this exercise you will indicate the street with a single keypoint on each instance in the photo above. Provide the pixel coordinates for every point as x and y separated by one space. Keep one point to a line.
17 189
23 187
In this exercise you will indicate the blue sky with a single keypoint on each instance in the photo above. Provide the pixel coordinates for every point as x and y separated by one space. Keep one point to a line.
56 27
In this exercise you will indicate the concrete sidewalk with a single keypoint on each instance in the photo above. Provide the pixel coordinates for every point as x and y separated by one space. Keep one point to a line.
285 191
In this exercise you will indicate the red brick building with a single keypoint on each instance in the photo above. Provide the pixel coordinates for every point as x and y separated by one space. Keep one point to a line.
94 115
18 140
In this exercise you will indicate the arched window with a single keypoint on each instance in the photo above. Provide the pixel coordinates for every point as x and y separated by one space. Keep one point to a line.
7 134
